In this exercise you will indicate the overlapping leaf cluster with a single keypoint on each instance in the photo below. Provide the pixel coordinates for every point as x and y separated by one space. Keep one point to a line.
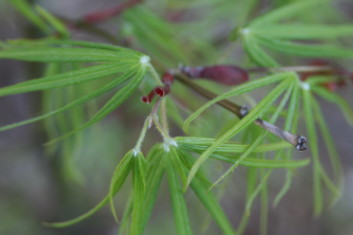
78 72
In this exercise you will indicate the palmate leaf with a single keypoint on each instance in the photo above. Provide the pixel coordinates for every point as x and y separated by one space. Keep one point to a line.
125 63
243 123
266 31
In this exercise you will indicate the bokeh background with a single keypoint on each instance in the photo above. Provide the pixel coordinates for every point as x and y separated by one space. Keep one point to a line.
32 186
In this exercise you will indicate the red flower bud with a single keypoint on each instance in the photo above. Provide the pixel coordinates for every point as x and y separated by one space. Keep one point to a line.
161 91
224 74
167 80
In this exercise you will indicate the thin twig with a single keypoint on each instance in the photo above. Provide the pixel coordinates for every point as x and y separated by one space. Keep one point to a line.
296 140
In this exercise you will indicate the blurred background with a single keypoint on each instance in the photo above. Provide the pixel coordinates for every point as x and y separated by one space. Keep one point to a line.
34 189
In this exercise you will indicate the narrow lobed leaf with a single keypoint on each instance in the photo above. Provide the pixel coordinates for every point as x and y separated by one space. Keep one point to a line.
139 187
26 9
313 144
307 50
262 163
54 22
307 31
66 79
155 174
257 54
177 197
201 144
64 54
209 200
120 174
342 104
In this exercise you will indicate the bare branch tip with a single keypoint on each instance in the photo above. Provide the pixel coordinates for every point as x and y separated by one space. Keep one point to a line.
301 143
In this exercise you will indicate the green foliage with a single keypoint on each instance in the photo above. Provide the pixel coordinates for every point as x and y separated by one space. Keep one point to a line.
98 77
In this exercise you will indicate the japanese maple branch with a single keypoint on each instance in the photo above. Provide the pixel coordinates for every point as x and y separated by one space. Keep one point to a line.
296 140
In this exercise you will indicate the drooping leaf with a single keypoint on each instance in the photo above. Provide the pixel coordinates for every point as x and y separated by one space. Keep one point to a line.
80 218
120 174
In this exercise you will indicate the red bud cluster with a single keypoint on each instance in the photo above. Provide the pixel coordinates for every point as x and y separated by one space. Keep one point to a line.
167 80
